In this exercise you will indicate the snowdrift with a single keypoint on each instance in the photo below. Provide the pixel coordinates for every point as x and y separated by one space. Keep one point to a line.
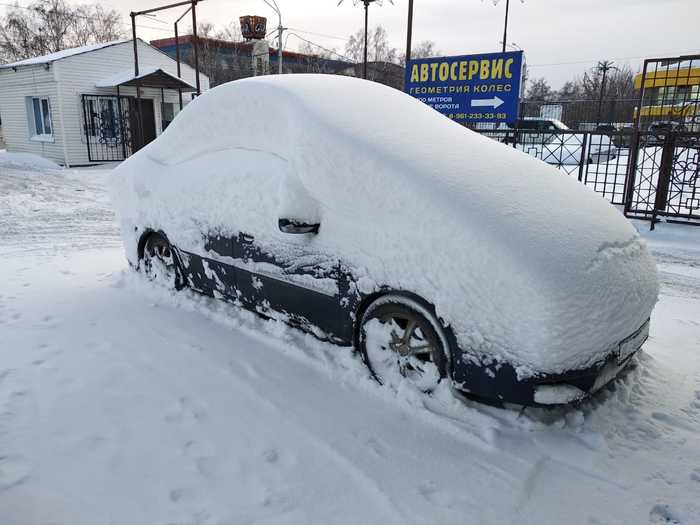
27 161
524 263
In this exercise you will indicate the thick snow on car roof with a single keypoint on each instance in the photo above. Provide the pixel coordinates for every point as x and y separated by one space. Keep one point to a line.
524 262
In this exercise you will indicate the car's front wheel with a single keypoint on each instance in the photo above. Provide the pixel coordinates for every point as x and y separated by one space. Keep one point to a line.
399 343
159 262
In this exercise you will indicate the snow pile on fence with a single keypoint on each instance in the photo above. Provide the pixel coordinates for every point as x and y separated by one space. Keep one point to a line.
526 265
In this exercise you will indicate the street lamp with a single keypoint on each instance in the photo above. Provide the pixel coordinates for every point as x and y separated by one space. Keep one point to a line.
366 4
280 30
505 22
513 45
409 33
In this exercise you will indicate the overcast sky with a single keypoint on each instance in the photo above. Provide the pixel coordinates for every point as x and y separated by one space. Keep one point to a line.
561 38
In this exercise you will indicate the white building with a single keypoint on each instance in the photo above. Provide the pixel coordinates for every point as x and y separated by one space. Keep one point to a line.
79 106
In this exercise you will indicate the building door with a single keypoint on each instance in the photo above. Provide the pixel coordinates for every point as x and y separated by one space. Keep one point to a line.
145 132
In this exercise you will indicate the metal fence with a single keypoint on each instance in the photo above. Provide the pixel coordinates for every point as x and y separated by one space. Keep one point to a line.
664 180
651 168
599 160
584 115
107 127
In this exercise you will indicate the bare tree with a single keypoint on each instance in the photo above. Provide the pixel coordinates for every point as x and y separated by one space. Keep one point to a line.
93 19
384 60
571 90
222 53
425 49
231 32
48 26
378 48
539 90
208 52
318 59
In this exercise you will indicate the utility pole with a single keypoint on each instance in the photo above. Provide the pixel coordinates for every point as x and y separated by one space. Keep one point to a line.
505 27
177 53
604 67
272 4
409 34
195 44
364 62
280 29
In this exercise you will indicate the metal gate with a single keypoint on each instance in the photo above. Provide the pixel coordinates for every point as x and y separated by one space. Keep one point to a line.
107 126
663 177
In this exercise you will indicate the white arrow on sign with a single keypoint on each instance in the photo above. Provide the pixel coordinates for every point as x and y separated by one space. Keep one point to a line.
493 102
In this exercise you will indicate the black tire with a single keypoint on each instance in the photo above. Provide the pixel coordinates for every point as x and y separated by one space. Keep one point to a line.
160 263
425 369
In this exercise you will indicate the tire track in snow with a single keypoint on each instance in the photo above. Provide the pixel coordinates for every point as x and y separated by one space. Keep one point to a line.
311 404
257 396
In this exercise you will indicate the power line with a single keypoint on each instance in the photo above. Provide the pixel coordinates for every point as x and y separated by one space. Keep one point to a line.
332 51
319 34
156 19
595 60
85 17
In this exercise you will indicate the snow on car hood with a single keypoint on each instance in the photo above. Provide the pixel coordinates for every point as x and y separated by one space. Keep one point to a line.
525 263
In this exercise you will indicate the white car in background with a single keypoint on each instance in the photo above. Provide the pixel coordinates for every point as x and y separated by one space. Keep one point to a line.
555 143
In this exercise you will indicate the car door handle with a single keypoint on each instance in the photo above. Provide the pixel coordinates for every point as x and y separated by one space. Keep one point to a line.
244 237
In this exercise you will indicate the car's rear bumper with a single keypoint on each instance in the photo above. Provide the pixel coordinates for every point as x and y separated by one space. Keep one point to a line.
499 381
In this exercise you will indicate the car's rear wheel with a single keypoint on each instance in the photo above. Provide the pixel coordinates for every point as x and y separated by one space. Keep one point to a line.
159 262
399 343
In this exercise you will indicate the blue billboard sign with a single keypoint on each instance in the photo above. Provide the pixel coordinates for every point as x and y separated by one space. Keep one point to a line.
469 88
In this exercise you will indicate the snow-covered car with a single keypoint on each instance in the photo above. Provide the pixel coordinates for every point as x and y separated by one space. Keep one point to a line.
361 215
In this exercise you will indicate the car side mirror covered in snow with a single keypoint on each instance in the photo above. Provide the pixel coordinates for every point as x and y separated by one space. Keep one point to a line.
297 227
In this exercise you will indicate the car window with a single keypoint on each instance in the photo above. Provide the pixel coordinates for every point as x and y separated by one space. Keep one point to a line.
528 124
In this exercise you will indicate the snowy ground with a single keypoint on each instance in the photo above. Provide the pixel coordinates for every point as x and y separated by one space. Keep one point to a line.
122 403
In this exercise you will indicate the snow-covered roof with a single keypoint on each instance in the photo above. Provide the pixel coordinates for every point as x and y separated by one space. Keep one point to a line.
162 77
52 57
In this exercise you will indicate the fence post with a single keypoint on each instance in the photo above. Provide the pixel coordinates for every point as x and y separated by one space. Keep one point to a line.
584 157
631 174
122 131
665 170
85 125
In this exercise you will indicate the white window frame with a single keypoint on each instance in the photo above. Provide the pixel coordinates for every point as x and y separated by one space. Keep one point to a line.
35 134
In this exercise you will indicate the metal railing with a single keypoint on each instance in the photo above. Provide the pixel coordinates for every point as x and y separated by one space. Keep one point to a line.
652 167
598 160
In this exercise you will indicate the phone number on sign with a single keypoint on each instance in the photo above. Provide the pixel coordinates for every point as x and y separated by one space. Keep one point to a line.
477 116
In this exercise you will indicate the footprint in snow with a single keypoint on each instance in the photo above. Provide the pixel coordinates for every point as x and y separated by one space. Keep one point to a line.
179 495
203 454
377 448
199 449
13 472
695 475
4 374
271 455
185 410
696 402
663 515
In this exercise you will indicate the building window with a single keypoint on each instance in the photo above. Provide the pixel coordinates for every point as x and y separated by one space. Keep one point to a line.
102 119
40 118
169 113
